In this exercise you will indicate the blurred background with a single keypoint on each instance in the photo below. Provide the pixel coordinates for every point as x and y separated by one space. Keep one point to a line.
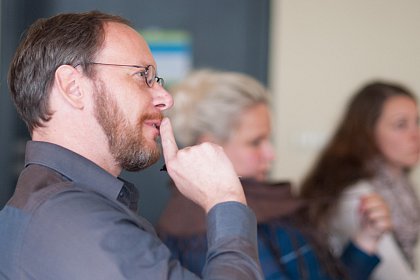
312 55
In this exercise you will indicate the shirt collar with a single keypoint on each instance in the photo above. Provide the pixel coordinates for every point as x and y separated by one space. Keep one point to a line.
81 170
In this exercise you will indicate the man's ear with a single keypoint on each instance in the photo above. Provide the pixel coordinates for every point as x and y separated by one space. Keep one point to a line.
67 83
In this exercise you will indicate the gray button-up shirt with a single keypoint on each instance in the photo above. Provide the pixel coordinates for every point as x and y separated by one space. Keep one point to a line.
70 219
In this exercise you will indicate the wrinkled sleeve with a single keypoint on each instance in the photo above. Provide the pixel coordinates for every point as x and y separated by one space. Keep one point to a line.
232 243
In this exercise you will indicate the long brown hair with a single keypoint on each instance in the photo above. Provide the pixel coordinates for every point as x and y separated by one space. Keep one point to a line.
347 158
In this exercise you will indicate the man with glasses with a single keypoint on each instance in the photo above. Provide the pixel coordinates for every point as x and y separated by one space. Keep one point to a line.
87 88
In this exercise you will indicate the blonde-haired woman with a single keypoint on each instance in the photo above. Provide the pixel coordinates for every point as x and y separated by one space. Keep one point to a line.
233 110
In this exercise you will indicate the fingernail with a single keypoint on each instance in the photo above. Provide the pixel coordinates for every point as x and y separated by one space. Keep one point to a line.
164 121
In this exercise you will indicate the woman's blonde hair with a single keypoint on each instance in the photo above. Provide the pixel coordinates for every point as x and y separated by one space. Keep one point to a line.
209 101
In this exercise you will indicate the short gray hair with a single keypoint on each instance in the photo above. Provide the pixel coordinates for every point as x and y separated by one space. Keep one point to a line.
209 101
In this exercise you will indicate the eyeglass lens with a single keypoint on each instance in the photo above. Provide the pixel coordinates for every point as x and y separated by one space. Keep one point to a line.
151 77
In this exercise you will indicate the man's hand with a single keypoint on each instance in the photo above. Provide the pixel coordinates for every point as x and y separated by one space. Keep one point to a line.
202 173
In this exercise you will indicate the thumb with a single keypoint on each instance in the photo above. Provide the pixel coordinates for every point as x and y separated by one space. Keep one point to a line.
169 145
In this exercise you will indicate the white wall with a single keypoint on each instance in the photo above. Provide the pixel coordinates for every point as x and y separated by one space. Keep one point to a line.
321 52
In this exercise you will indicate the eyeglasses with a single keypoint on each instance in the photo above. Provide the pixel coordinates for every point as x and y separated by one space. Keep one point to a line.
149 72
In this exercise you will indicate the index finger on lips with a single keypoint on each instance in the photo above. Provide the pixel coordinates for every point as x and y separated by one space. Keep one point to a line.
167 137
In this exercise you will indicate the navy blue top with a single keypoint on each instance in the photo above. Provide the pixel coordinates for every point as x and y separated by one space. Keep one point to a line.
284 253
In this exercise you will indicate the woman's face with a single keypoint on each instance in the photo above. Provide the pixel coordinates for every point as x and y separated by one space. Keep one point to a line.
249 147
397 132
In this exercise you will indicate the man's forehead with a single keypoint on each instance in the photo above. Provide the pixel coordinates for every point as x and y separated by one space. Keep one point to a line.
124 44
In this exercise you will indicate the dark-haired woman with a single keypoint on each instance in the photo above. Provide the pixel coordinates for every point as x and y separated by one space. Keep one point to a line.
373 149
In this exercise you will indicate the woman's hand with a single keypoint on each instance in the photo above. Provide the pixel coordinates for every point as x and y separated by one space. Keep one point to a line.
375 221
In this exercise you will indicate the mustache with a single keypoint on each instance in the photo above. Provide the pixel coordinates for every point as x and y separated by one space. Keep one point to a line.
150 116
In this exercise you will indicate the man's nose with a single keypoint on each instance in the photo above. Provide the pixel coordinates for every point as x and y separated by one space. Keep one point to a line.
161 98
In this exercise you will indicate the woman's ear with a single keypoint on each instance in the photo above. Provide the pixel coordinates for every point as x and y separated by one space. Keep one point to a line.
67 83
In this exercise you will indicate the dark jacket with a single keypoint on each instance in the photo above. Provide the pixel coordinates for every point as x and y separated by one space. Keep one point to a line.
285 251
